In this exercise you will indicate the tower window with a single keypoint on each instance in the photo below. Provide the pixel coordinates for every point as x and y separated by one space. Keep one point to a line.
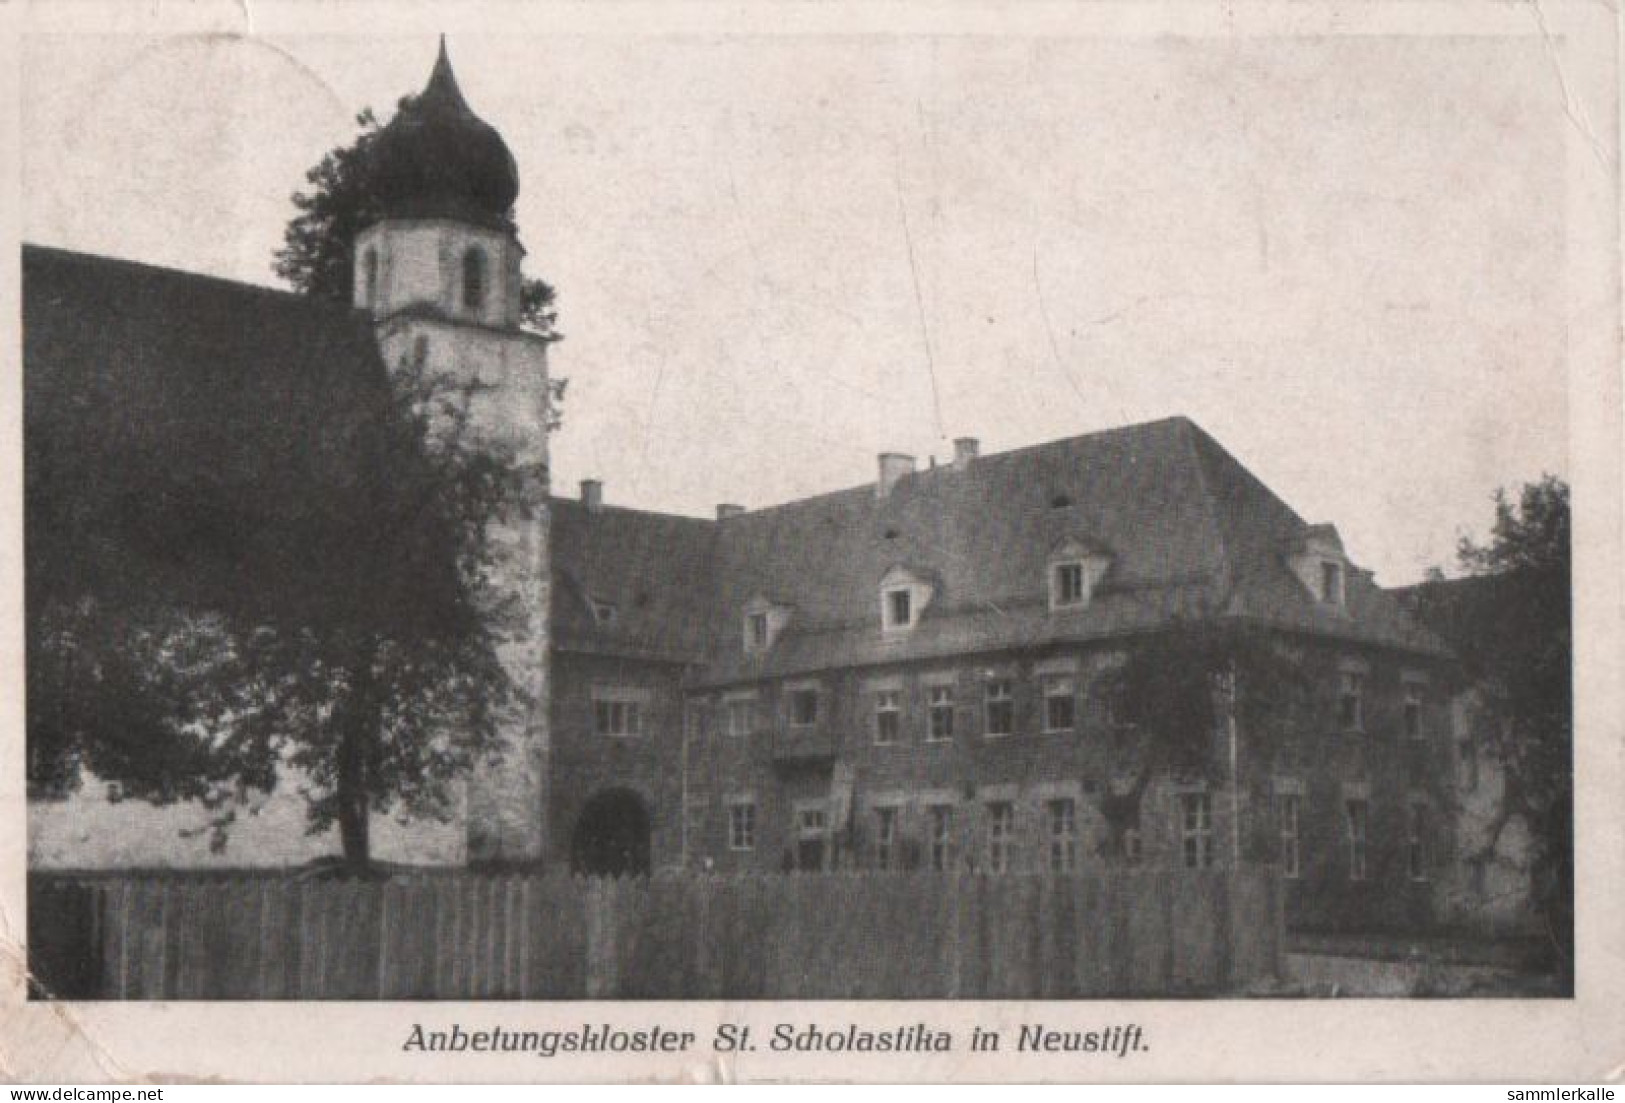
474 279
369 277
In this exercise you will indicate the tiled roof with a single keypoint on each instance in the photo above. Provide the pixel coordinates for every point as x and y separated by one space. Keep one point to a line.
1185 527
205 396
175 424
649 573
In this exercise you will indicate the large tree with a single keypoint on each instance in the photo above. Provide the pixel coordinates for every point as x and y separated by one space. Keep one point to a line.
215 594
338 618
1517 647
1183 698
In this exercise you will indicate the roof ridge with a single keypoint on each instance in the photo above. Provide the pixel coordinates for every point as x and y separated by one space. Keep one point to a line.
283 293
566 500
943 470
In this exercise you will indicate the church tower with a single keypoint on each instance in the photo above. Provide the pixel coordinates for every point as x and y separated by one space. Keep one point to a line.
440 274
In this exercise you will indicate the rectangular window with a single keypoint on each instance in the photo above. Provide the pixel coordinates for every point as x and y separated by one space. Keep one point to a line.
1291 811
1063 835
942 713
1331 583
617 716
810 823
1133 848
1351 701
1413 711
1060 704
694 718
803 707
756 631
1416 854
899 608
1000 707
885 838
1357 814
742 825
942 837
1196 830
741 714
1001 835
888 715
1069 584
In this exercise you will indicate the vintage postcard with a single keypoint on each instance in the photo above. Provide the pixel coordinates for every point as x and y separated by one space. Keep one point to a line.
992 542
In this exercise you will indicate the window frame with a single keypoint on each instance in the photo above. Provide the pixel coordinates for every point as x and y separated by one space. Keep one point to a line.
758 630
794 699
999 693
888 706
475 289
742 825
1062 813
1413 712
1416 842
1065 575
1070 696
1333 583
884 850
1351 687
940 837
733 709
1196 849
1289 828
1001 835
890 599
1358 830
369 277
619 713
936 708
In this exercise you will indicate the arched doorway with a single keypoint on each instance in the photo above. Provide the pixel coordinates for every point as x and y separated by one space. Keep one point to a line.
611 836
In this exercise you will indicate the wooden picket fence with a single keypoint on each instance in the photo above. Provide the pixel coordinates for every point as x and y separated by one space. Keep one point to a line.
817 936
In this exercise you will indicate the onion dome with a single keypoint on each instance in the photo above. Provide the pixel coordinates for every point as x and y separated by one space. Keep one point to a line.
437 159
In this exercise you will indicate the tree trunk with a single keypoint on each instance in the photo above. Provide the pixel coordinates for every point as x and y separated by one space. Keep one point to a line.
358 731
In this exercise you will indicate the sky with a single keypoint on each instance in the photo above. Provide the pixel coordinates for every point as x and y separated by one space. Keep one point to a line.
778 257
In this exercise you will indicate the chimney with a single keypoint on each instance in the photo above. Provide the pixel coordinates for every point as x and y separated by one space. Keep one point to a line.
965 450
727 510
592 495
893 466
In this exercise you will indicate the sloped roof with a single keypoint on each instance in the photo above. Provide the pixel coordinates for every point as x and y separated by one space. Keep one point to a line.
175 426
1187 529
654 570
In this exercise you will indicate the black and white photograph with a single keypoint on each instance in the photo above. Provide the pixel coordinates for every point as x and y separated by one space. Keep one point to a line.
1061 505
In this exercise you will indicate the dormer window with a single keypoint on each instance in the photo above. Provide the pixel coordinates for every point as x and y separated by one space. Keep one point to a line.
604 612
1068 583
1321 565
1331 582
904 596
1075 569
899 608
764 620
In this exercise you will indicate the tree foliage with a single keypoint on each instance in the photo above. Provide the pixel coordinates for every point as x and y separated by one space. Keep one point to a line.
378 676
1518 649
1174 697
328 601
